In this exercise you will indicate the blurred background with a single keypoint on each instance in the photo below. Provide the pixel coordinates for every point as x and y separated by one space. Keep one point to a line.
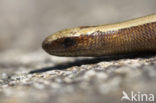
25 23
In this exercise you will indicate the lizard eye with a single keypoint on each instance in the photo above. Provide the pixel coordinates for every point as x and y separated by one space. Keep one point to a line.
69 42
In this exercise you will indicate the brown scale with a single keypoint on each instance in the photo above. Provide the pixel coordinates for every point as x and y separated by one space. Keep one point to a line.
134 39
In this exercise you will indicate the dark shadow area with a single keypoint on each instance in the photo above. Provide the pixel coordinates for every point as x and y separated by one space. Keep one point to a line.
93 61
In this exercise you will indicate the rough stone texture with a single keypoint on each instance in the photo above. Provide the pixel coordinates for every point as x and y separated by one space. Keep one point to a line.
29 75
37 79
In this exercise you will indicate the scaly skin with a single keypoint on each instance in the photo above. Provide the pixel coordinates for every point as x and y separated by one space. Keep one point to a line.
133 36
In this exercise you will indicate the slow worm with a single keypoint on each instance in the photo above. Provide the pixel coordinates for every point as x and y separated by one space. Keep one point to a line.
133 36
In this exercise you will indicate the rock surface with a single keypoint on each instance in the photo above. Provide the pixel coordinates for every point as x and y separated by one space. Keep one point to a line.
37 79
